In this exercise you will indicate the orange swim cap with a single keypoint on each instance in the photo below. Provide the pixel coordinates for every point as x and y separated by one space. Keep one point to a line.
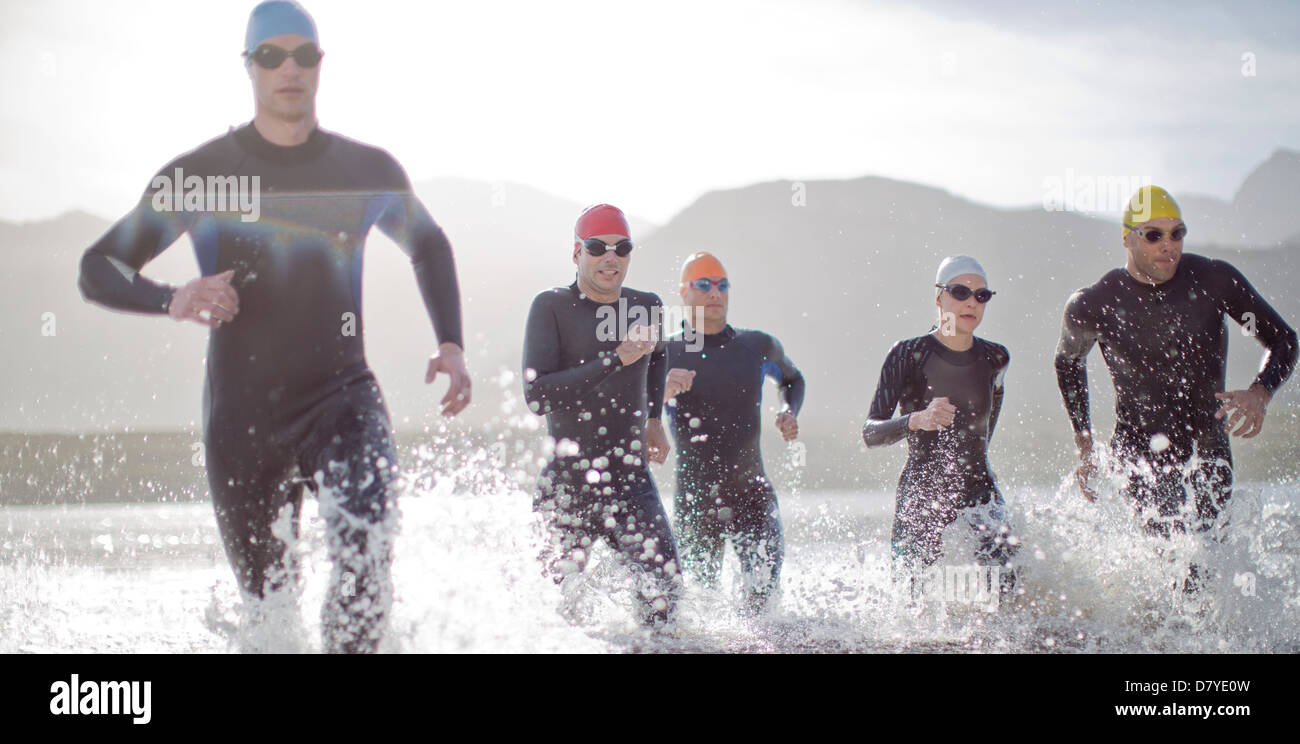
700 265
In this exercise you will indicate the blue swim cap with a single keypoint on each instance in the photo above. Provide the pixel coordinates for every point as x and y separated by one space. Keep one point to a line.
275 17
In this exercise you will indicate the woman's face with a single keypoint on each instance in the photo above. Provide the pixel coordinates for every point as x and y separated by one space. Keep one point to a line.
966 314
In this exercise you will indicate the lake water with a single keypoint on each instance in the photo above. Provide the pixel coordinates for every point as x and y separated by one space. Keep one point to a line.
153 578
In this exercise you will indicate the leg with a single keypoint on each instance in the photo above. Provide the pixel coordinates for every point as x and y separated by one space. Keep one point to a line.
567 541
636 526
701 541
994 540
253 491
352 463
760 545
915 543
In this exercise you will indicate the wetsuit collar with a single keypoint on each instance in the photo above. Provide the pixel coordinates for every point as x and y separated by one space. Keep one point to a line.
952 356
721 337
578 293
1161 287
253 142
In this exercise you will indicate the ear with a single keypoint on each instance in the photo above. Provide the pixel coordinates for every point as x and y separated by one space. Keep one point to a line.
576 247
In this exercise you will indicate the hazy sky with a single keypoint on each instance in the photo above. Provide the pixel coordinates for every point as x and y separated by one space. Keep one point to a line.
648 105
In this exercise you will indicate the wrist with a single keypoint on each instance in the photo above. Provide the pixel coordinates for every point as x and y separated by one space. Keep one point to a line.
913 422
450 348
1263 392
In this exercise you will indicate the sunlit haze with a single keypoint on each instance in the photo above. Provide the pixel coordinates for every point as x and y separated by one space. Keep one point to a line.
651 105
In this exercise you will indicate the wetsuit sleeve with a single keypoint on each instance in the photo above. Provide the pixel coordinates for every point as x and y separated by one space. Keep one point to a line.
546 386
881 428
1247 308
1002 359
408 223
779 367
657 379
1077 339
110 268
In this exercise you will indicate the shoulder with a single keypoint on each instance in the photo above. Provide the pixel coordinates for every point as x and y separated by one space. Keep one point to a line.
997 353
908 351
551 297
219 152
758 340
1085 300
367 158
1209 270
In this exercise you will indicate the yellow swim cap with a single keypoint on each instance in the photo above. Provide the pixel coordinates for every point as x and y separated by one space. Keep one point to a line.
1150 203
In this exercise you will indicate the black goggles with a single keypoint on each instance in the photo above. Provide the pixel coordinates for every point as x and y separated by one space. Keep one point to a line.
961 293
1155 234
271 56
598 247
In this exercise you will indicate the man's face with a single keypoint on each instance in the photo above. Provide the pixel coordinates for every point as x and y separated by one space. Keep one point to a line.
289 91
1157 260
604 272
712 304
968 312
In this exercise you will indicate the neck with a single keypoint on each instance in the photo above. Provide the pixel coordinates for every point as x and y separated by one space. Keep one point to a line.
283 132
959 342
596 294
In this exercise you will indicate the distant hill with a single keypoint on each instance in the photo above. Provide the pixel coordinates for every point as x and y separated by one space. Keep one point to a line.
837 279
1261 214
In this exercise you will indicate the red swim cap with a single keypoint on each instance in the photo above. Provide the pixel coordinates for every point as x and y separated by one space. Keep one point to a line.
601 219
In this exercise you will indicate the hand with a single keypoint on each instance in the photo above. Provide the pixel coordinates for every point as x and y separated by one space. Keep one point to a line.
679 381
656 441
937 415
640 340
1087 467
789 426
451 361
207 294
1248 408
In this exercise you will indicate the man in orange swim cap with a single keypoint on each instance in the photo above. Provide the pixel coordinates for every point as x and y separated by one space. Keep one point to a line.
714 393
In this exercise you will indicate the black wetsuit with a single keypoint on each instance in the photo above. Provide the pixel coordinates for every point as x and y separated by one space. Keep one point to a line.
288 396
1166 347
947 472
722 489
598 484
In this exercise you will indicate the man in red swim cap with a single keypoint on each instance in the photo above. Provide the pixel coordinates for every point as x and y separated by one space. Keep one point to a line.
594 365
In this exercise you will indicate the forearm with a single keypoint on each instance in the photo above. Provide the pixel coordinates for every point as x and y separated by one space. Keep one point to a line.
106 284
792 393
995 410
435 273
656 382
1280 359
565 389
1072 378
109 272
881 432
